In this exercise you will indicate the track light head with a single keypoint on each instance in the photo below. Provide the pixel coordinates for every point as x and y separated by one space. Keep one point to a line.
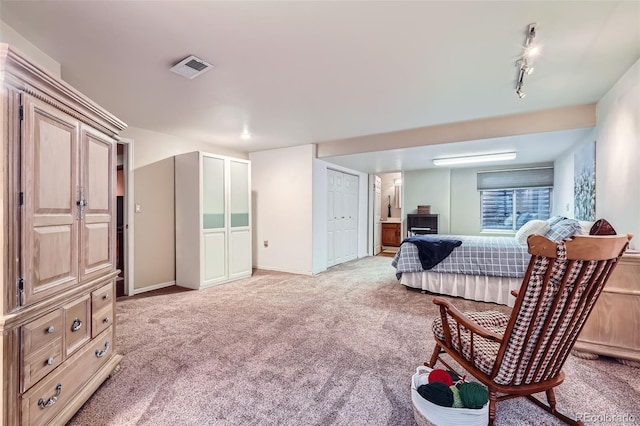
524 64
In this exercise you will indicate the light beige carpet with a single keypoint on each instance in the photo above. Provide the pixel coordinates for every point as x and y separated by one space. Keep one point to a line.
338 348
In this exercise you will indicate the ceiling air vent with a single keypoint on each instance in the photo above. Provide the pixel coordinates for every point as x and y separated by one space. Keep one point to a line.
191 67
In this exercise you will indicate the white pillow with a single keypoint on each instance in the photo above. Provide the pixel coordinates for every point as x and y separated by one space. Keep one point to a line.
585 227
535 226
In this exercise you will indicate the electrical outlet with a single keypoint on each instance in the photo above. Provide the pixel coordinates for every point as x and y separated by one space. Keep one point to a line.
266 243
138 208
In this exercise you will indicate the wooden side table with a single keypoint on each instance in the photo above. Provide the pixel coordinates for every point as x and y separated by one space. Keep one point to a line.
613 328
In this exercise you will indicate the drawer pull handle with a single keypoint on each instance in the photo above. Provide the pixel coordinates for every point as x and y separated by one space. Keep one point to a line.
51 329
106 320
103 352
50 361
44 403
76 325
105 297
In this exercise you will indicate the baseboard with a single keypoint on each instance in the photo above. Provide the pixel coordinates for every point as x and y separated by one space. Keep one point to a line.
153 287
267 268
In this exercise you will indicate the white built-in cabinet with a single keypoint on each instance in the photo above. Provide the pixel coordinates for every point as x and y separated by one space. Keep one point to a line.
342 217
213 219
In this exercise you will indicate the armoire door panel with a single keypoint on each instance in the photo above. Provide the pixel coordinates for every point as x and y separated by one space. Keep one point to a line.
54 150
55 242
98 175
49 249
97 250
96 246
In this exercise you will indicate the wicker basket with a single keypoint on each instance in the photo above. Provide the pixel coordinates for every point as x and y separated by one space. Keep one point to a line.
429 414
424 209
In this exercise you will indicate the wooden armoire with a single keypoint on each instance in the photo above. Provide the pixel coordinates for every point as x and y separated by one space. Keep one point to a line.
58 244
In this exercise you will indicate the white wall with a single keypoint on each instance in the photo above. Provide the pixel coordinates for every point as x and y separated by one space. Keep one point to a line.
282 182
428 187
563 171
618 152
153 146
14 39
617 136
320 230
465 202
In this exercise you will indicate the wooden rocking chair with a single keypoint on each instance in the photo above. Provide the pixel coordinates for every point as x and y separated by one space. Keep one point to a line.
522 354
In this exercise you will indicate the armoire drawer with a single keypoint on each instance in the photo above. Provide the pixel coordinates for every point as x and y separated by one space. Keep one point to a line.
45 400
41 362
41 332
101 320
102 297
77 325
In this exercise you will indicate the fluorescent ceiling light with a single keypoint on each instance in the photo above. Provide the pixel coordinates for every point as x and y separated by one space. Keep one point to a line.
502 156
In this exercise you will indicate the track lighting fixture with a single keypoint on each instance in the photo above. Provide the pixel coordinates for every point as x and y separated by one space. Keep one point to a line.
525 63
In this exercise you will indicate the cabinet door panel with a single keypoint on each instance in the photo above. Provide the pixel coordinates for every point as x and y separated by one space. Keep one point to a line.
239 253
49 249
213 197
214 257
97 250
239 191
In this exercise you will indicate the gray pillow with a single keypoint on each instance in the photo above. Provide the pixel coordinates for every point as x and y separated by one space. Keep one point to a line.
565 228
555 219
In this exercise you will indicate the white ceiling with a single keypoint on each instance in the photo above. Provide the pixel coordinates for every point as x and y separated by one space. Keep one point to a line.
533 148
311 71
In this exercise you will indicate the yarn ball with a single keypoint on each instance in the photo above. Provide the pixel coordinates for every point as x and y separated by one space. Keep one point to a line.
457 402
473 395
439 375
438 393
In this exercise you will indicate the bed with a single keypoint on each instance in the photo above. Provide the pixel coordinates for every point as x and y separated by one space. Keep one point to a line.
482 268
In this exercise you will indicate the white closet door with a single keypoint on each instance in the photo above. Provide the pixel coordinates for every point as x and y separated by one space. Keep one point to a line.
350 217
214 238
331 217
239 209
342 217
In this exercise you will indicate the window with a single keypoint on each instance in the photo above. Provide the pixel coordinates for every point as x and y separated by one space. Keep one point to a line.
511 198
509 209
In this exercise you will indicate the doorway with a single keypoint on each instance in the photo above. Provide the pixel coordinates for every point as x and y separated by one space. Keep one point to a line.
387 214
124 217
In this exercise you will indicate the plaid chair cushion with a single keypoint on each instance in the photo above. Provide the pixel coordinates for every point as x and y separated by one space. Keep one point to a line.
529 346
485 351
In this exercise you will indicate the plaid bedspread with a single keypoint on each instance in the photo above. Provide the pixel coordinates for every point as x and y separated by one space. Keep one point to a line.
493 256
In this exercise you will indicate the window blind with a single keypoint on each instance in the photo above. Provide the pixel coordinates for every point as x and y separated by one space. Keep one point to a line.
540 177
509 209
